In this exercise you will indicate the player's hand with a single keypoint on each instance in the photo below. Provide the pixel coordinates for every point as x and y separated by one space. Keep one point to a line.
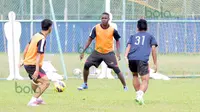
118 56
81 56
21 63
155 68
35 75
126 59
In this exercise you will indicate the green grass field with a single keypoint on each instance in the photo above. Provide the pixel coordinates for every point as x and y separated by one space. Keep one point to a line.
170 64
176 95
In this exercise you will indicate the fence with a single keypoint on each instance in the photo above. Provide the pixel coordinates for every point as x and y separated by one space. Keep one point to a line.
73 35
174 23
170 23
91 9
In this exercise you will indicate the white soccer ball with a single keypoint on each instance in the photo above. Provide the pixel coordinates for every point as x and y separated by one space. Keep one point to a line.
77 71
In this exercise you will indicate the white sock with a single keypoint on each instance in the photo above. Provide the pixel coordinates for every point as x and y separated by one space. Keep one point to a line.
33 99
39 97
140 93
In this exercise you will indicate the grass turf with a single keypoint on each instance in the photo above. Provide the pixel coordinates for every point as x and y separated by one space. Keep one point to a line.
169 64
176 95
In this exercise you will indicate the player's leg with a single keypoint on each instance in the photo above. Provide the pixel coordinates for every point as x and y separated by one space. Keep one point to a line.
134 69
34 87
111 61
36 99
133 66
136 82
86 73
30 69
44 84
39 86
145 82
144 73
121 77
94 59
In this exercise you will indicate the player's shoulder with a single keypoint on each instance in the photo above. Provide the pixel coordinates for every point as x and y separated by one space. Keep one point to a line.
97 25
38 35
133 35
94 27
35 35
146 34
113 25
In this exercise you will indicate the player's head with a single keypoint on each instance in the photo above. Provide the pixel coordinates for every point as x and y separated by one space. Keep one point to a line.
46 25
105 18
142 25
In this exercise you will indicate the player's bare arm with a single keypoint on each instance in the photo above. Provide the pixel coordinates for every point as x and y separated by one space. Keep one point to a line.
86 46
117 37
127 51
154 56
118 47
35 75
25 51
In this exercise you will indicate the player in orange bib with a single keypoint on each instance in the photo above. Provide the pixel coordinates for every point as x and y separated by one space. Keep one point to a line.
33 60
103 34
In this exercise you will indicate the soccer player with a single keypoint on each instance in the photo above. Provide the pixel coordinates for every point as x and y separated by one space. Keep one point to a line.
137 53
33 60
103 34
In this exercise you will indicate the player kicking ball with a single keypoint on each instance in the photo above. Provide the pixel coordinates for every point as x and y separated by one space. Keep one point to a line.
137 53
103 34
33 60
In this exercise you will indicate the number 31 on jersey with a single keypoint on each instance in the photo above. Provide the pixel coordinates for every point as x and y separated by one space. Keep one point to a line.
139 40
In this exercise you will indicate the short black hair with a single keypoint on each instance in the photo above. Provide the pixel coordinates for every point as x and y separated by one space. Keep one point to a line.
106 14
142 25
45 24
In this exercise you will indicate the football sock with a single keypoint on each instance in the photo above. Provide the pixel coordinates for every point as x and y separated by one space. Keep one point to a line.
39 97
140 93
33 99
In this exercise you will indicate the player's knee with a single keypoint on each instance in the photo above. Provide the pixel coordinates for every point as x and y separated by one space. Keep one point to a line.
146 82
116 70
47 83
135 74
87 66
145 78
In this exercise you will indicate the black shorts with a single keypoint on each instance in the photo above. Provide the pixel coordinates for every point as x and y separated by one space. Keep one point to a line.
96 58
137 66
30 69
